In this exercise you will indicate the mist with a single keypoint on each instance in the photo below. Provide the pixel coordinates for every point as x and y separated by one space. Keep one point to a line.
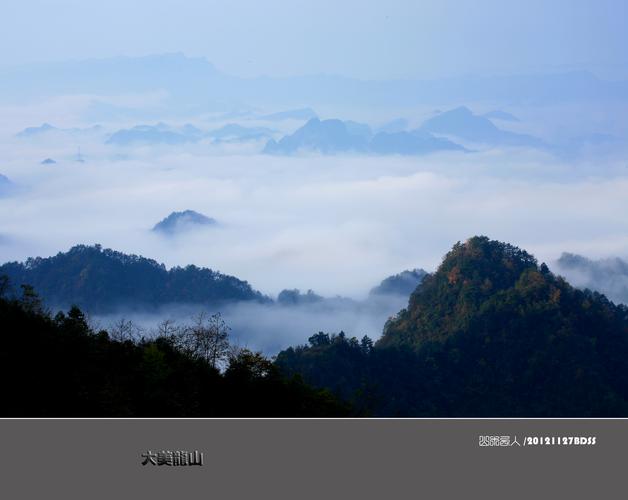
335 224
272 327
608 276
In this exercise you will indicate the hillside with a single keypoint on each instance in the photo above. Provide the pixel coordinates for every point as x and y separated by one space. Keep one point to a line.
101 280
66 369
490 333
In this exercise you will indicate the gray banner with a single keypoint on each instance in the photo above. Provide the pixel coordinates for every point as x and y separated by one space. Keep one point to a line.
302 459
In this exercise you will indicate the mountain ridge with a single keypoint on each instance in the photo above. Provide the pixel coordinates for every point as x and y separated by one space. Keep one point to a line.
103 280
491 333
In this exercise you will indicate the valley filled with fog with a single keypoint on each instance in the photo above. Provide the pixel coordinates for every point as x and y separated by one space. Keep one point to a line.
313 195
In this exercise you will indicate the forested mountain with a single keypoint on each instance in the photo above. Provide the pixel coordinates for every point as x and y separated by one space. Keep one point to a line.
101 280
59 367
403 283
490 333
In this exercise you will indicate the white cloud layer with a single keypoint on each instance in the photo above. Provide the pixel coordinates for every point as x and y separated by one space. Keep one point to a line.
334 224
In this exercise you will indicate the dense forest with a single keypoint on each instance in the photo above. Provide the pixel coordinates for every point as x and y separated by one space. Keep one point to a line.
59 367
490 333
101 280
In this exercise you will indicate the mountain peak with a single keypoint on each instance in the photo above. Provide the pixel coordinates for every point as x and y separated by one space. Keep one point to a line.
471 275
181 221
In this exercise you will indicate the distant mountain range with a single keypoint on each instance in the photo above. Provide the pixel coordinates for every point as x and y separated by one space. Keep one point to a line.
410 143
463 124
162 133
394 126
233 132
195 84
178 222
438 133
337 136
46 128
327 136
155 134
102 280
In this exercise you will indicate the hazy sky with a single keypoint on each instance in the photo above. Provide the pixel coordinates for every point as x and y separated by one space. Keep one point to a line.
359 38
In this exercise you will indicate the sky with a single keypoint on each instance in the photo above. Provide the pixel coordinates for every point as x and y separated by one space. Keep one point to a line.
357 38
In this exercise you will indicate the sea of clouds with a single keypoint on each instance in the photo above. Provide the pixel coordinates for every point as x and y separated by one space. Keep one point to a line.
334 224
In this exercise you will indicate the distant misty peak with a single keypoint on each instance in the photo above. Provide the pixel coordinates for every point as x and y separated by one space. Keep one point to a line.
45 128
410 143
161 133
462 123
35 131
48 161
394 126
359 129
234 132
334 136
295 297
324 136
403 283
458 120
178 222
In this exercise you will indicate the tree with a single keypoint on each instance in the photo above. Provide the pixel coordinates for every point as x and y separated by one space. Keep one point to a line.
319 339
30 300
208 338
366 344
4 285
122 330
169 330
246 364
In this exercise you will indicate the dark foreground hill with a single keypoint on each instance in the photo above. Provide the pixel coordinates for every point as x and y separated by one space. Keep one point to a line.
102 280
59 367
490 333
